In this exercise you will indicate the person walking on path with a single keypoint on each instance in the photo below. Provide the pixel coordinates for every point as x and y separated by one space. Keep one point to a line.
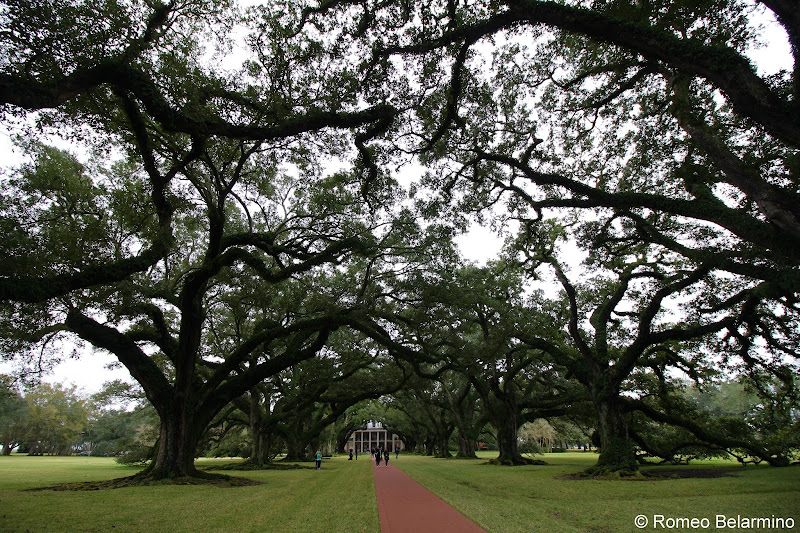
319 460
386 456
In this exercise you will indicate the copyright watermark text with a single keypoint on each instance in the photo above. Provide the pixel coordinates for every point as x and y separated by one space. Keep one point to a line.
718 522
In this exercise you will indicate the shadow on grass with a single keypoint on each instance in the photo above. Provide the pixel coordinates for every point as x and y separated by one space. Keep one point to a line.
246 465
204 477
215 480
655 475
523 462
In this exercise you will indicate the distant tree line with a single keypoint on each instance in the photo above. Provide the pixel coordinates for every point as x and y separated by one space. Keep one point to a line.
46 419
55 420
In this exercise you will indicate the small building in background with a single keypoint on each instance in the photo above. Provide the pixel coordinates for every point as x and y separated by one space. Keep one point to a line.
371 437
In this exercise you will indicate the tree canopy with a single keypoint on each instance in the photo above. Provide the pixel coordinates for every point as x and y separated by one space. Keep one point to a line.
259 212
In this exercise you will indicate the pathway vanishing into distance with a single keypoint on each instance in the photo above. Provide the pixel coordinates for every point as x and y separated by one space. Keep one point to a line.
405 506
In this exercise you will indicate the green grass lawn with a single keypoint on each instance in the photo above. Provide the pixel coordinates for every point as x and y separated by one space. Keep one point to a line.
533 498
341 497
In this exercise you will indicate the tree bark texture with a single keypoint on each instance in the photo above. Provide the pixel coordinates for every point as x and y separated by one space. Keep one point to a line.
616 448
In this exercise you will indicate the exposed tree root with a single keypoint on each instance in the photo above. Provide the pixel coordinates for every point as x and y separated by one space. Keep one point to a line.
519 461
654 475
216 480
248 465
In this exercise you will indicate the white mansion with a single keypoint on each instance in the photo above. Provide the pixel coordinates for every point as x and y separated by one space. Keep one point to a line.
373 436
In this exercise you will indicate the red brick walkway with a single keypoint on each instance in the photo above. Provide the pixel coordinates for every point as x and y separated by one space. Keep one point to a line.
405 506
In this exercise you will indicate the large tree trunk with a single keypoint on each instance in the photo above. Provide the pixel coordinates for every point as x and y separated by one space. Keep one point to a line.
409 444
466 447
314 446
507 442
177 444
344 432
430 446
262 444
341 441
442 447
467 444
443 432
616 448
462 406
261 432
296 446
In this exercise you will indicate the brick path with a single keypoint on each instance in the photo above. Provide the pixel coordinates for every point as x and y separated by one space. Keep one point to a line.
405 506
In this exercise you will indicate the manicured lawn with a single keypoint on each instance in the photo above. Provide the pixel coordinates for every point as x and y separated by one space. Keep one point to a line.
532 498
341 497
